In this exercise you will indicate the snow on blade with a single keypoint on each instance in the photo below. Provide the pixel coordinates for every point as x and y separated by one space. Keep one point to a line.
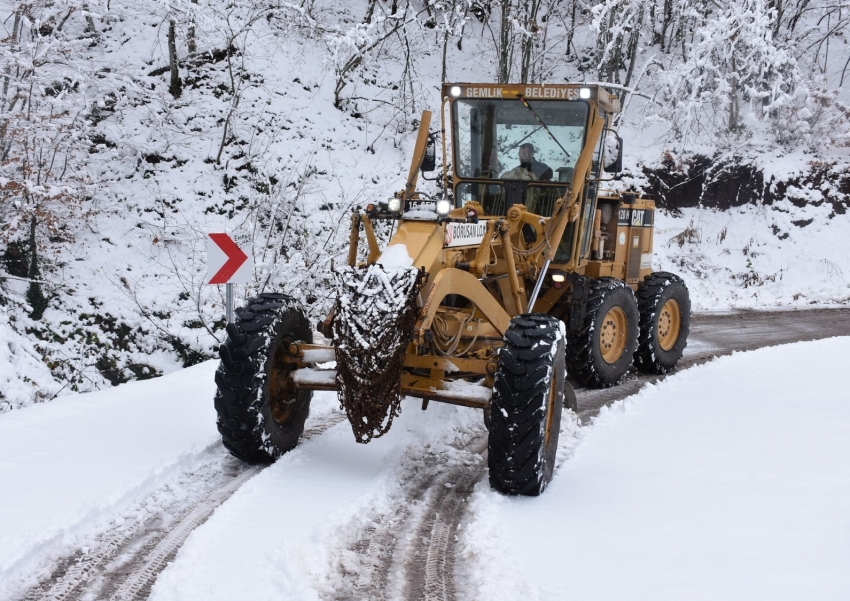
395 256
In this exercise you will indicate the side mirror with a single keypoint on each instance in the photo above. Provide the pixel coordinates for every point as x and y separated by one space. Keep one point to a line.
429 159
612 153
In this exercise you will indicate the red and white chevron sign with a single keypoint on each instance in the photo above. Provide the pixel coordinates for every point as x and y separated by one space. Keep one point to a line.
227 261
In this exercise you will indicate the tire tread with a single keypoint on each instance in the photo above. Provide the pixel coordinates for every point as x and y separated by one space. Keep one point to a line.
241 376
519 463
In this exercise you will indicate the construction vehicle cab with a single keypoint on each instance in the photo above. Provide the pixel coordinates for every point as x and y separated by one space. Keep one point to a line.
523 269
490 123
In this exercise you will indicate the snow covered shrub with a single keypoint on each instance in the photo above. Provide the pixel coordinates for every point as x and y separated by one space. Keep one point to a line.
750 71
45 117
735 75
24 378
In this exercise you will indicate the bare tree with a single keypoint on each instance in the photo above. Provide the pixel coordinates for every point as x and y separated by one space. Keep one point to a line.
176 87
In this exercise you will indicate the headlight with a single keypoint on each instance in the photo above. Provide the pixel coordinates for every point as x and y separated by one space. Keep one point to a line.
455 91
558 278
394 205
584 93
443 207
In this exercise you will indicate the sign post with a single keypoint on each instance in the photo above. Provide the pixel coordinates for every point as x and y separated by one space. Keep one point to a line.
228 301
228 262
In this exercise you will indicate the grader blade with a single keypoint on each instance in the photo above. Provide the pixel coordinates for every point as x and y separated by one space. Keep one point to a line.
375 312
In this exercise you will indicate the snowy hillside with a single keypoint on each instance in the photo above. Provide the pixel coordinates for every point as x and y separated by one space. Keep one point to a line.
285 116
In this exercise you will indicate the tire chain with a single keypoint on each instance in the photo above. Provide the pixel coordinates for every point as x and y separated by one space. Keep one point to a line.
373 321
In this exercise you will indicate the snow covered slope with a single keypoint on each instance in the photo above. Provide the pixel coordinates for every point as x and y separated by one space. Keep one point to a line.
291 116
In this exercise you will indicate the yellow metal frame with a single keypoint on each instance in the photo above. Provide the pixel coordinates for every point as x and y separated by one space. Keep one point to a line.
494 274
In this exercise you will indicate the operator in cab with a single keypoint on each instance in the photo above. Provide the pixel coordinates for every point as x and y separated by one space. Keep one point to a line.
529 168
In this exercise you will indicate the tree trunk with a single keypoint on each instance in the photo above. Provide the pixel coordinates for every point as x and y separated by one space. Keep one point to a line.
612 46
632 56
527 44
633 50
13 46
734 109
35 296
444 74
190 35
505 30
668 18
90 28
370 10
176 87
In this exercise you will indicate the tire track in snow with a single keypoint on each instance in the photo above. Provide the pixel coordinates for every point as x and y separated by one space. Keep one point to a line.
441 526
408 553
89 573
124 564
136 584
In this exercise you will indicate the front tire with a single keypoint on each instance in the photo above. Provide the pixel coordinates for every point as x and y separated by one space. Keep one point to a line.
665 322
260 415
600 353
525 410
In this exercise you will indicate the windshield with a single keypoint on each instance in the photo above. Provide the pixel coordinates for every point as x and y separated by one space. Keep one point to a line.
504 139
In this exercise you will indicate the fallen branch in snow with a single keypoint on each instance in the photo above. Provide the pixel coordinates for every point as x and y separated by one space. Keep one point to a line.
4 276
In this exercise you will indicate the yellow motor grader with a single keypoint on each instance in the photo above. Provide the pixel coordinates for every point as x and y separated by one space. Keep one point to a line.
521 270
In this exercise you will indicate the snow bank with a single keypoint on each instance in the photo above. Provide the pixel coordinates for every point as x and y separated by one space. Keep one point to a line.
68 465
727 481
757 257
24 378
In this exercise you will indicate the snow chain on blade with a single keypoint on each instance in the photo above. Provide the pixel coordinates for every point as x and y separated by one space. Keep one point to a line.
375 313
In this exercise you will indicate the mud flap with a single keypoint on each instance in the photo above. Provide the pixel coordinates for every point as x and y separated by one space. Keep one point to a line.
578 305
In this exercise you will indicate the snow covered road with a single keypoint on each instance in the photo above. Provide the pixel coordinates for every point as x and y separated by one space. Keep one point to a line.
711 481
289 532
68 466
730 480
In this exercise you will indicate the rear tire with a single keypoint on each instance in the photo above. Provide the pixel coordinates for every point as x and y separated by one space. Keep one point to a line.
525 411
260 415
665 322
600 353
